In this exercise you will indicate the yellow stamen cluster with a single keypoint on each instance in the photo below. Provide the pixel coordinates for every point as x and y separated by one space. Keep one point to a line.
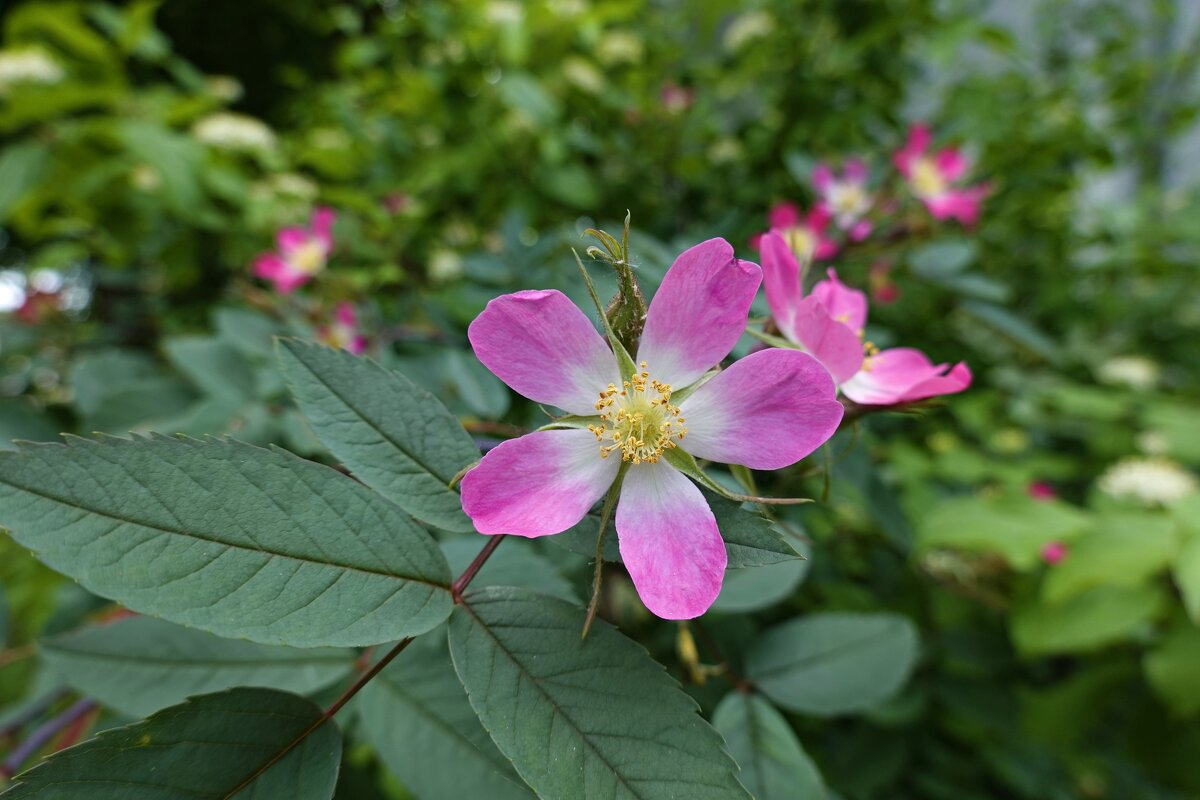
309 257
927 178
638 419
870 350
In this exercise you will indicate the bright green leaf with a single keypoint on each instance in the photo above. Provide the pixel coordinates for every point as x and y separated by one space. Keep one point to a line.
774 765
834 663
391 433
582 718
230 538
1172 667
1016 527
417 716
204 748
140 665
1087 621
1123 550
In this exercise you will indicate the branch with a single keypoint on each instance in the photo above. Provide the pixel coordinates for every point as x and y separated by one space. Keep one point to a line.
464 580
43 734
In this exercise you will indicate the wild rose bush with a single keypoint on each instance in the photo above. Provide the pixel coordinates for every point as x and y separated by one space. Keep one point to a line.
471 528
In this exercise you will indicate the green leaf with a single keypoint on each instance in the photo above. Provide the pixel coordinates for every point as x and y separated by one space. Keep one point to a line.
582 718
752 588
774 765
230 538
214 366
417 716
140 665
22 167
250 332
1123 550
1088 621
204 748
1016 527
834 663
750 538
391 433
1172 667
514 564
1186 567
943 258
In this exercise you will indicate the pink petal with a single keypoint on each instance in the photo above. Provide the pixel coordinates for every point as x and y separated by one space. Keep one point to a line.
275 269
950 163
833 343
766 411
855 170
358 345
918 142
781 279
818 218
539 484
669 542
846 305
784 215
960 204
542 345
860 231
698 313
822 178
291 239
322 226
346 315
903 375
825 249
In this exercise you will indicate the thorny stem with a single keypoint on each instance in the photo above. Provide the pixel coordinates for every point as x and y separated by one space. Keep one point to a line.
605 514
47 731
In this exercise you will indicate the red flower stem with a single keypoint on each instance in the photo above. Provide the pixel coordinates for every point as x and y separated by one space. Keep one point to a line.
32 712
43 734
468 575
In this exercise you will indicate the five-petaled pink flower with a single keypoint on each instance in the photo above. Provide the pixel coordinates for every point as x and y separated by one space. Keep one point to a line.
846 197
1054 552
765 411
932 176
830 323
804 233
300 253
343 332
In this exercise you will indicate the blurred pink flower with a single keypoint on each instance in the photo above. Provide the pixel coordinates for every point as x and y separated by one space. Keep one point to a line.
343 332
845 197
803 233
830 323
766 411
676 99
300 253
931 177
1054 552
1040 490
883 289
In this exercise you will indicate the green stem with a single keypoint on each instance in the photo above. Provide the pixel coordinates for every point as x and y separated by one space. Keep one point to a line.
605 513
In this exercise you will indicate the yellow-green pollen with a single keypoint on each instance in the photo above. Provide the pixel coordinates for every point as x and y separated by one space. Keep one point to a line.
638 420
309 257
927 178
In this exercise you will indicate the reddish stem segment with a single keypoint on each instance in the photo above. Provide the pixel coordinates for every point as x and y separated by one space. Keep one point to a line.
468 575
43 734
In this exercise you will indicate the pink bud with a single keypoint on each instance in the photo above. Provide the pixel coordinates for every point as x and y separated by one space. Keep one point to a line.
1040 490
1054 552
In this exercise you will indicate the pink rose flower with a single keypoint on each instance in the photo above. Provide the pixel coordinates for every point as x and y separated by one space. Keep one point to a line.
1039 490
343 332
1054 552
766 411
804 233
932 178
829 323
300 253
845 197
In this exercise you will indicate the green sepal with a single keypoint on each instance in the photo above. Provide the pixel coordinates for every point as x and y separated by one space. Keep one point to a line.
624 360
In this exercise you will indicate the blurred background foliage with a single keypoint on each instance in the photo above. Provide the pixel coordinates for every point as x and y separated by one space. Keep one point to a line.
149 150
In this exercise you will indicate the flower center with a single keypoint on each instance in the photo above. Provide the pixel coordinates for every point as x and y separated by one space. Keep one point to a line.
848 199
638 419
927 178
309 257
802 242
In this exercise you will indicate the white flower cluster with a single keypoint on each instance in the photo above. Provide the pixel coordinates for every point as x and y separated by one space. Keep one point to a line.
27 66
1136 372
230 131
1149 481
